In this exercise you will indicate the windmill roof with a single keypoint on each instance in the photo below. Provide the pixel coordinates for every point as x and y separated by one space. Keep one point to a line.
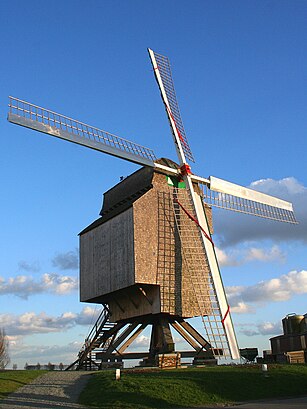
121 196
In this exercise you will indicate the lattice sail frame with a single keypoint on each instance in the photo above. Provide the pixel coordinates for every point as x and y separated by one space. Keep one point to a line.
229 196
198 284
163 73
190 235
166 262
43 120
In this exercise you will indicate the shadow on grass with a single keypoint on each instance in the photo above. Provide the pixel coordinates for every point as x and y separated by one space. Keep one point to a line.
136 400
103 391
4 394
13 380
241 384
195 387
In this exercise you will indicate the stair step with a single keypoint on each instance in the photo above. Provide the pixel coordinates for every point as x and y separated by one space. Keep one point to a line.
96 340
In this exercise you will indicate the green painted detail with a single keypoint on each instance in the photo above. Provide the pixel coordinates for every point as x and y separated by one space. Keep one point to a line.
173 181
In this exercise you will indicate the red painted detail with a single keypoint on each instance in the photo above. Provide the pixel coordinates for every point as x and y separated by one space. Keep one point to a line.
185 169
227 312
157 68
178 132
195 221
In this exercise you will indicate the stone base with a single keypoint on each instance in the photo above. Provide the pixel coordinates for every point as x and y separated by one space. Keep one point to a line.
168 360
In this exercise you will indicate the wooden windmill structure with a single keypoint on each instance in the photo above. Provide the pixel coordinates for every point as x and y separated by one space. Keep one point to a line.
150 259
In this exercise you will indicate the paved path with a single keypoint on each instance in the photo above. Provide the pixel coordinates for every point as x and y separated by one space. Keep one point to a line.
291 403
51 391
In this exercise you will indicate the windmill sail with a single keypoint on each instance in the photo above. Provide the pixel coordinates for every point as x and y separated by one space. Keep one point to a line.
217 322
43 120
229 196
162 70
209 295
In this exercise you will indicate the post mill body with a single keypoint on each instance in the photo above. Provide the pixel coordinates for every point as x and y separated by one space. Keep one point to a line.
133 257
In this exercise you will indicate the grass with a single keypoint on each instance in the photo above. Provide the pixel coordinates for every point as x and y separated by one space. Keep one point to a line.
190 387
12 380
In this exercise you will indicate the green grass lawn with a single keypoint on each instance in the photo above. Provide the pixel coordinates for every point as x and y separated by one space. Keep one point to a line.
193 386
12 380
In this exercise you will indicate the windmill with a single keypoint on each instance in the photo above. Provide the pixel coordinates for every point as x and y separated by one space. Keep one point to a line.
149 258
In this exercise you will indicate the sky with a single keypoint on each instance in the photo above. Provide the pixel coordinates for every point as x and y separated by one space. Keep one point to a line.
240 75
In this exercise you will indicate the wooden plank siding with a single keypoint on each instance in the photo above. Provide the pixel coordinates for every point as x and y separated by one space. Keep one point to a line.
121 252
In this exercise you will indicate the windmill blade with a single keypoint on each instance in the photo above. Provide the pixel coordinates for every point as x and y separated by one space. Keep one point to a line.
218 287
163 74
43 120
229 196
198 257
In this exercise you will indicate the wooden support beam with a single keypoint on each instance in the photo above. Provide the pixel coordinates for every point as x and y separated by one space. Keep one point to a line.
145 355
186 336
161 337
118 304
196 335
132 338
113 346
145 295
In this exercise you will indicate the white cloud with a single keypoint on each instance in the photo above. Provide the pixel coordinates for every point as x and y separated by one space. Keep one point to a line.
225 258
141 341
236 257
21 352
283 187
270 328
88 316
258 254
23 286
234 228
29 267
262 328
242 308
33 323
60 284
13 340
249 332
66 261
273 290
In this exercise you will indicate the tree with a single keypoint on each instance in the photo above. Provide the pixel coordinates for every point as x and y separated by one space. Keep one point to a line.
4 353
61 366
50 366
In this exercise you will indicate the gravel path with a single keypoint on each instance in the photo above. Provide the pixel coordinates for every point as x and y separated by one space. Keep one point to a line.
58 389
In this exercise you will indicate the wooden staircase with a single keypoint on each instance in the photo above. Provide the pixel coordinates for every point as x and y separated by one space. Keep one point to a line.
100 337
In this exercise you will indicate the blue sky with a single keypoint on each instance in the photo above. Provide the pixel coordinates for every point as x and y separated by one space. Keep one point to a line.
240 75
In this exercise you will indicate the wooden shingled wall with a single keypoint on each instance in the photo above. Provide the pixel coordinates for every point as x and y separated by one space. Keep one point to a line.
161 250
176 262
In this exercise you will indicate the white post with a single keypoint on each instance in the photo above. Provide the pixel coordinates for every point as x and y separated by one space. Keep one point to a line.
117 374
265 370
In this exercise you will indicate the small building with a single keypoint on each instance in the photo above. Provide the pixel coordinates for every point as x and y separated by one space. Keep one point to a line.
249 354
292 345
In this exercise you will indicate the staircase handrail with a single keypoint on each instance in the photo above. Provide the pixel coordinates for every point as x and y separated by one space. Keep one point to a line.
101 320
